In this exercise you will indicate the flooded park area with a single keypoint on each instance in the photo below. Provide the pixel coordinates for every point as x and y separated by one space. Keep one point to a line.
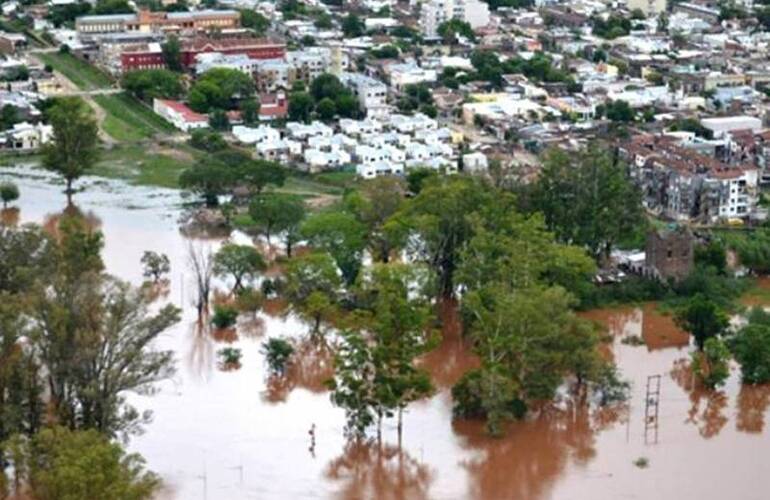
234 433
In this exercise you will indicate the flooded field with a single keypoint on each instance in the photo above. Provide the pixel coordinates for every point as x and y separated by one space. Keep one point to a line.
234 434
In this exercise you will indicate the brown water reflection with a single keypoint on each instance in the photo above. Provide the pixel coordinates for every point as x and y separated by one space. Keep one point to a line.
217 435
312 364
10 216
535 453
453 356
371 470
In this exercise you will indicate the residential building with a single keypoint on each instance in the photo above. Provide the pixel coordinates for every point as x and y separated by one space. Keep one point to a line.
682 184
371 93
401 75
435 12
25 136
179 115
649 7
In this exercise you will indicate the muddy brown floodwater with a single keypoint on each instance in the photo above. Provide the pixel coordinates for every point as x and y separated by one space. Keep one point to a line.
236 434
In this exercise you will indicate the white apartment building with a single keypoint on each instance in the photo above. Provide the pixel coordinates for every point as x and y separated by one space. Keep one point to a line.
315 61
435 12
239 62
405 74
371 93
737 190
649 7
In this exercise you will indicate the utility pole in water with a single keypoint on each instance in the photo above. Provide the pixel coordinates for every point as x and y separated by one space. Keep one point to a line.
651 409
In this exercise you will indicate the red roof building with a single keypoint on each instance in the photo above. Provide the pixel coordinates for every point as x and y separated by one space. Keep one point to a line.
179 115
273 106
150 56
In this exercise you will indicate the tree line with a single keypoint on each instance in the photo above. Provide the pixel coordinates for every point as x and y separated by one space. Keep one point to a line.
73 340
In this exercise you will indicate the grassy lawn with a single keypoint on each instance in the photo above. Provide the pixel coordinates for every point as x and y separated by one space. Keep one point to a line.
144 165
82 74
128 119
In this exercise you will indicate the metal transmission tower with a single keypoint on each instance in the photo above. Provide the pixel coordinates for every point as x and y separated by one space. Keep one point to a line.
651 407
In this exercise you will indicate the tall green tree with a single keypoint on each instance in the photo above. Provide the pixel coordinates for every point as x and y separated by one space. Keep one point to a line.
148 84
208 178
172 53
300 106
373 204
73 151
440 218
8 192
587 199
313 286
353 26
751 347
341 235
62 464
528 341
220 88
276 213
242 262
702 318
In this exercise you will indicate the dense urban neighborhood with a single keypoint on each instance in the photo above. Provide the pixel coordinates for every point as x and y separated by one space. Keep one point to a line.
384 249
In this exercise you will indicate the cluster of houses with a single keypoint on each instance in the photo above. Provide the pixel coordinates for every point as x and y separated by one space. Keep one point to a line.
680 91
372 146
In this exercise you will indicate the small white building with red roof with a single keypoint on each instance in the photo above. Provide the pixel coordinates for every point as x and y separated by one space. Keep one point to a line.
179 115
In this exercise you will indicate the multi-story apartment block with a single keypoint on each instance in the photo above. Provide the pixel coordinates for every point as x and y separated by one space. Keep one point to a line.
436 12
682 184
372 94
315 61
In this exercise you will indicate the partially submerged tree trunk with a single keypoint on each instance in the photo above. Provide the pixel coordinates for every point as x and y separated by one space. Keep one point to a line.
201 264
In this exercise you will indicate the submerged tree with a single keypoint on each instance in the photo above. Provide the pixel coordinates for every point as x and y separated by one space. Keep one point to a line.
277 353
342 236
73 151
276 213
60 463
155 265
201 263
703 319
95 338
242 262
751 347
528 341
9 192
373 205
376 376
313 285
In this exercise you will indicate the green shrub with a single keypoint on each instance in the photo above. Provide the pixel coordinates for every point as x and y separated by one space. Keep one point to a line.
224 316
277 353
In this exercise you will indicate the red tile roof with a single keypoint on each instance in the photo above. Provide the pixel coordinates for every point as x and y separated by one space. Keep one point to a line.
187 114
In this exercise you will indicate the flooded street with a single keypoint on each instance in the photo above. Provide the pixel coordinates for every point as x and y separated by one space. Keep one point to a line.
234 434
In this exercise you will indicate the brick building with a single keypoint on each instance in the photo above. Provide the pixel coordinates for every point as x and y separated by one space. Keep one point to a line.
669 254
150 56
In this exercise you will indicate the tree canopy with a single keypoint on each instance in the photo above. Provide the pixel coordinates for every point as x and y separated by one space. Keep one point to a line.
73 151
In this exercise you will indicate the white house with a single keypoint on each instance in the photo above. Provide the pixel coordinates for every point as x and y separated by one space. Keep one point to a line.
475 162
26 136
372 170
179 115
249 135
